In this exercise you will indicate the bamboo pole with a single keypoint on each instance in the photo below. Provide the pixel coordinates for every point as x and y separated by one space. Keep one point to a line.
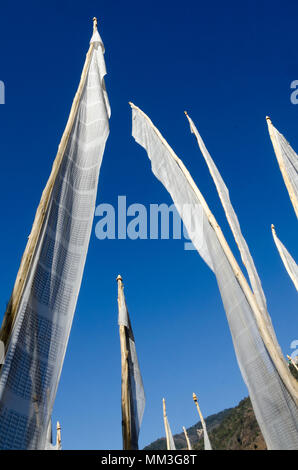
165 419
187 438
281 164
14 302
125 389
290 383
58 438
284 260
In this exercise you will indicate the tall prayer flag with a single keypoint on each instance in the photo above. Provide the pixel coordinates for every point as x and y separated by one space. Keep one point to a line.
273 391
132 389
39 316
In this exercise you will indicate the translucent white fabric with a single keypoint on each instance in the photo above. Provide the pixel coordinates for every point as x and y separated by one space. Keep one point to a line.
49 440
136 388
288 162
235 227
275 409
207 445
174 181
287 259
170 440
30 375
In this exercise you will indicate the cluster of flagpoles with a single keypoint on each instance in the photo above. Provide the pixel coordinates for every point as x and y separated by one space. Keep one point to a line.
39 315
170 439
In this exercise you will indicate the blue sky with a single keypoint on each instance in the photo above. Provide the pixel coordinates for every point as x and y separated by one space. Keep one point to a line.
229 64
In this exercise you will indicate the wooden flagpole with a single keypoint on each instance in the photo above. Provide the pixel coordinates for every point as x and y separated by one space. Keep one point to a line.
125 387
58 438
195 399
290 383
165 419
281 164
14 302
187 438
283 258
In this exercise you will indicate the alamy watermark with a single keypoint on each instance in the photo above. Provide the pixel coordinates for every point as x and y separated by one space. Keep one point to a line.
2 92
294 94
160 221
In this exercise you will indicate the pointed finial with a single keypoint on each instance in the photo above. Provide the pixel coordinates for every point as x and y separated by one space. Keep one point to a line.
194 396
185 112
133 106
268 119
272 228
94 24
164 407
119 278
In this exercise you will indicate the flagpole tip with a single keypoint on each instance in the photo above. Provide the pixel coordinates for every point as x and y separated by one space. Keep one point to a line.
94 23
272 227
194 396
185 112
119 278
164 407
268 119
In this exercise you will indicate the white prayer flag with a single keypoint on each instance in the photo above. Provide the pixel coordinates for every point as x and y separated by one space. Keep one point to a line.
288 162
235 227
287 259
171 444
134 392
43 316
207 445
274 402
169 435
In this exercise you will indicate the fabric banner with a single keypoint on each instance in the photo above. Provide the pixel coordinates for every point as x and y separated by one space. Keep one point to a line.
170 439
288 163
235 227
31 371
207 444
287 259
136 388
274 407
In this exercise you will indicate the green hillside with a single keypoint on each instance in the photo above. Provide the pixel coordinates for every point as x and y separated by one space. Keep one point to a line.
233 429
